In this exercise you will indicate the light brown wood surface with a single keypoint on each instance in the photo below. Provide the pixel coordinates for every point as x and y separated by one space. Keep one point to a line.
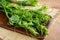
54 29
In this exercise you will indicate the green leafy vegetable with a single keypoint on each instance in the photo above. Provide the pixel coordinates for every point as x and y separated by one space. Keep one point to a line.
25 2
34 21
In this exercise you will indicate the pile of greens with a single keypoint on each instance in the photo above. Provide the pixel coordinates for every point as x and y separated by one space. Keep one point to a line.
34 21
25 2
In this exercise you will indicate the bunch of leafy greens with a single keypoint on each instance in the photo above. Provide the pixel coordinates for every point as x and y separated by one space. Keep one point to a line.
25 2
33 21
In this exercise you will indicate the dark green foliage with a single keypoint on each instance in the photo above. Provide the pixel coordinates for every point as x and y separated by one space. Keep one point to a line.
27 2
8 0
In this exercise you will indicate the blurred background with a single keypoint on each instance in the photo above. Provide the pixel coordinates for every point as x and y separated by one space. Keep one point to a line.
51 3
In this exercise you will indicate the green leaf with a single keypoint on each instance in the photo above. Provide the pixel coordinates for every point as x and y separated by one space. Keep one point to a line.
14 19
27 2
